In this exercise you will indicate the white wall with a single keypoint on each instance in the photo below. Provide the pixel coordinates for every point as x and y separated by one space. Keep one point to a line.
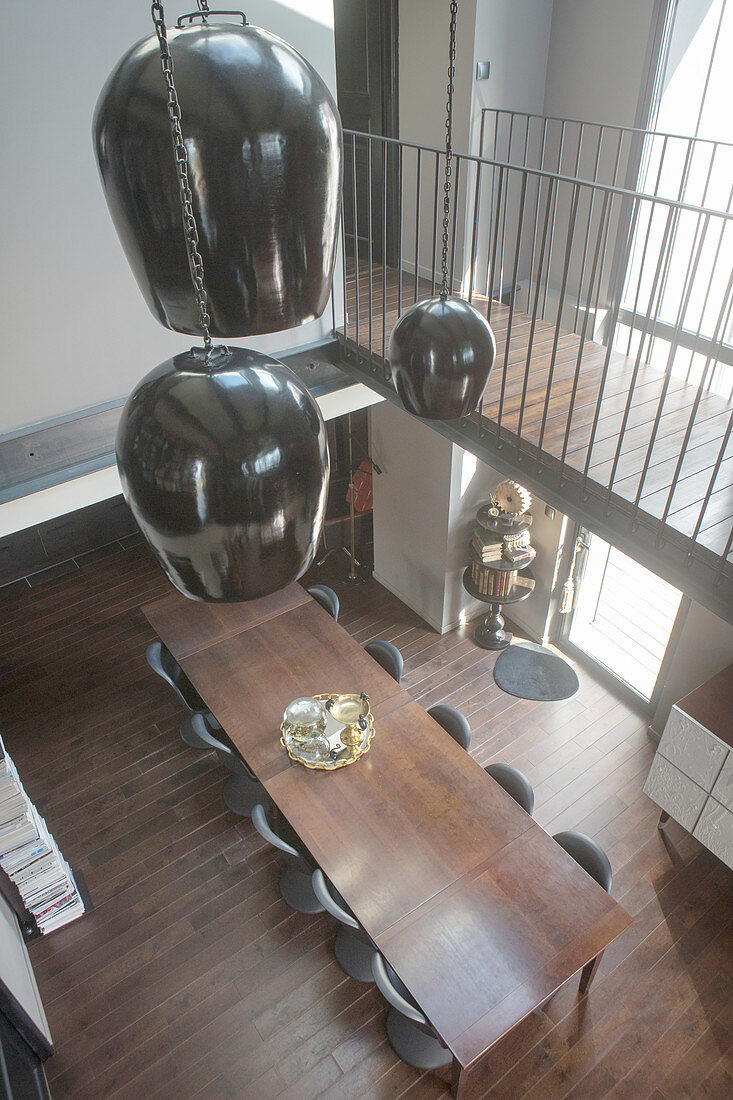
514 35
76 331
425 504
597 58
411 508
704 647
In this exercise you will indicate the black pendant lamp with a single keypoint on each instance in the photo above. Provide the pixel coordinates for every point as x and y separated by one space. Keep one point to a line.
264 149
442 349
222 452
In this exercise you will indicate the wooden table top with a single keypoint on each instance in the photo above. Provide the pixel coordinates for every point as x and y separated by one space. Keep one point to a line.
478 910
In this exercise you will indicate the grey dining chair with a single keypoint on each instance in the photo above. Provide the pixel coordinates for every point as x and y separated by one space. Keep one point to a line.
243 790
352 948
296 884
162 661
326 597
514 783
591 857
388 656
409 1033
453 722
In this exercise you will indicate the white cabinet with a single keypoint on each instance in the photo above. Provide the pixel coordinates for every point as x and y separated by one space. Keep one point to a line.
692 749
691 776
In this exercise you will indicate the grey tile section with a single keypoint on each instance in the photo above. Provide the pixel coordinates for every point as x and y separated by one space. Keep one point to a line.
53 571
715 830
674 792
21 553
692 749
67 537
723 789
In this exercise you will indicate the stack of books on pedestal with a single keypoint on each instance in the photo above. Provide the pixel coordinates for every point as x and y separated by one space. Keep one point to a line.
491 546
30 857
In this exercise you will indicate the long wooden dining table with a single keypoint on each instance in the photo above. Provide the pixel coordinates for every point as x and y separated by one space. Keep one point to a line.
480 913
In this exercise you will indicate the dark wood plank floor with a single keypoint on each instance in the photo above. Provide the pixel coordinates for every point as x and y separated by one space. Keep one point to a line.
373 298
192 978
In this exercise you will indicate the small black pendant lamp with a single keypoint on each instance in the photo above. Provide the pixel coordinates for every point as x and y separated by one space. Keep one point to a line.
442 349
222 453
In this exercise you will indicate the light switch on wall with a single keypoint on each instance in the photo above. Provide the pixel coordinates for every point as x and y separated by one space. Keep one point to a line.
482 70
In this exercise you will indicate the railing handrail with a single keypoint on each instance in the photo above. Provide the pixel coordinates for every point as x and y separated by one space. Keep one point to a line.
643 131
543 173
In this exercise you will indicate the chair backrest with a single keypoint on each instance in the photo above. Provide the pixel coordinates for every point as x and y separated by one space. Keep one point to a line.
453 722
327 598
263 827
162 661
514 783
388 656
331 900
219 742
393 991
589 855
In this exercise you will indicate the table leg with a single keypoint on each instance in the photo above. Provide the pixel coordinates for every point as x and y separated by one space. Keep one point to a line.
589 973
471 1083
663 819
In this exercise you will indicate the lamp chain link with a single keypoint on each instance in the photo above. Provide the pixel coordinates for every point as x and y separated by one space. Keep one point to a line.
190 228
203 6
448 148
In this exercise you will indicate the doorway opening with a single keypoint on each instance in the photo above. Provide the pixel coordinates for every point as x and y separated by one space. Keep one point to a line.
623 614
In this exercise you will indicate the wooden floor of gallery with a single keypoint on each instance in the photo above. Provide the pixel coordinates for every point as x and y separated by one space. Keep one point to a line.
192 978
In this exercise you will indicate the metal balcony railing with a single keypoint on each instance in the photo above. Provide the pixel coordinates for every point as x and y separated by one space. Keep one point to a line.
612 306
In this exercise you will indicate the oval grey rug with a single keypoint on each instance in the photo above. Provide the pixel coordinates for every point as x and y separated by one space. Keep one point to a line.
530 671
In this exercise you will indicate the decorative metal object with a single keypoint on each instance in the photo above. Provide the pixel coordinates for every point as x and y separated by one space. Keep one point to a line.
263 152
224 463
442 349
222 453
349 732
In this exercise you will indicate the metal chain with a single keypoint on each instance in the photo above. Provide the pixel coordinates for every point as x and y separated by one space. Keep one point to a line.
190 228
203 5
448 148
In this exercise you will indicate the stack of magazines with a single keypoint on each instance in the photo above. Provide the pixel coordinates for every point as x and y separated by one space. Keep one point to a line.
30 857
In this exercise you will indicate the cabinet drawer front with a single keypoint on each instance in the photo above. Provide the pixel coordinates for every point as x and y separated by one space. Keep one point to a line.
674 792
723 789
715 830
692 749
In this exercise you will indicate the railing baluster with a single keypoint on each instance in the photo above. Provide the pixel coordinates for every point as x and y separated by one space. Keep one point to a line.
356 242
370 244
474 231
400 170
496 238
552 230
671 212
584 329
418 171
561 302
435 221
723 321
587 229
385 364
455 205
533 323
689 280
508 337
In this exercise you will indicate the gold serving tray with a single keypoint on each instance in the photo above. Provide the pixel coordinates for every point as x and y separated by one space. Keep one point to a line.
348 742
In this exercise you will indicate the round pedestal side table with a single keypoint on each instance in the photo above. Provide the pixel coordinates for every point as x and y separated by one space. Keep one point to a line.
490 633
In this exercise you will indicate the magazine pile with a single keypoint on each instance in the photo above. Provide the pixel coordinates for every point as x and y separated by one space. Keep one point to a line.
28 854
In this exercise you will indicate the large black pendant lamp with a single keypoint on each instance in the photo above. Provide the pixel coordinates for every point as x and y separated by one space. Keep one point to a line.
263 143
442 349
222 452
